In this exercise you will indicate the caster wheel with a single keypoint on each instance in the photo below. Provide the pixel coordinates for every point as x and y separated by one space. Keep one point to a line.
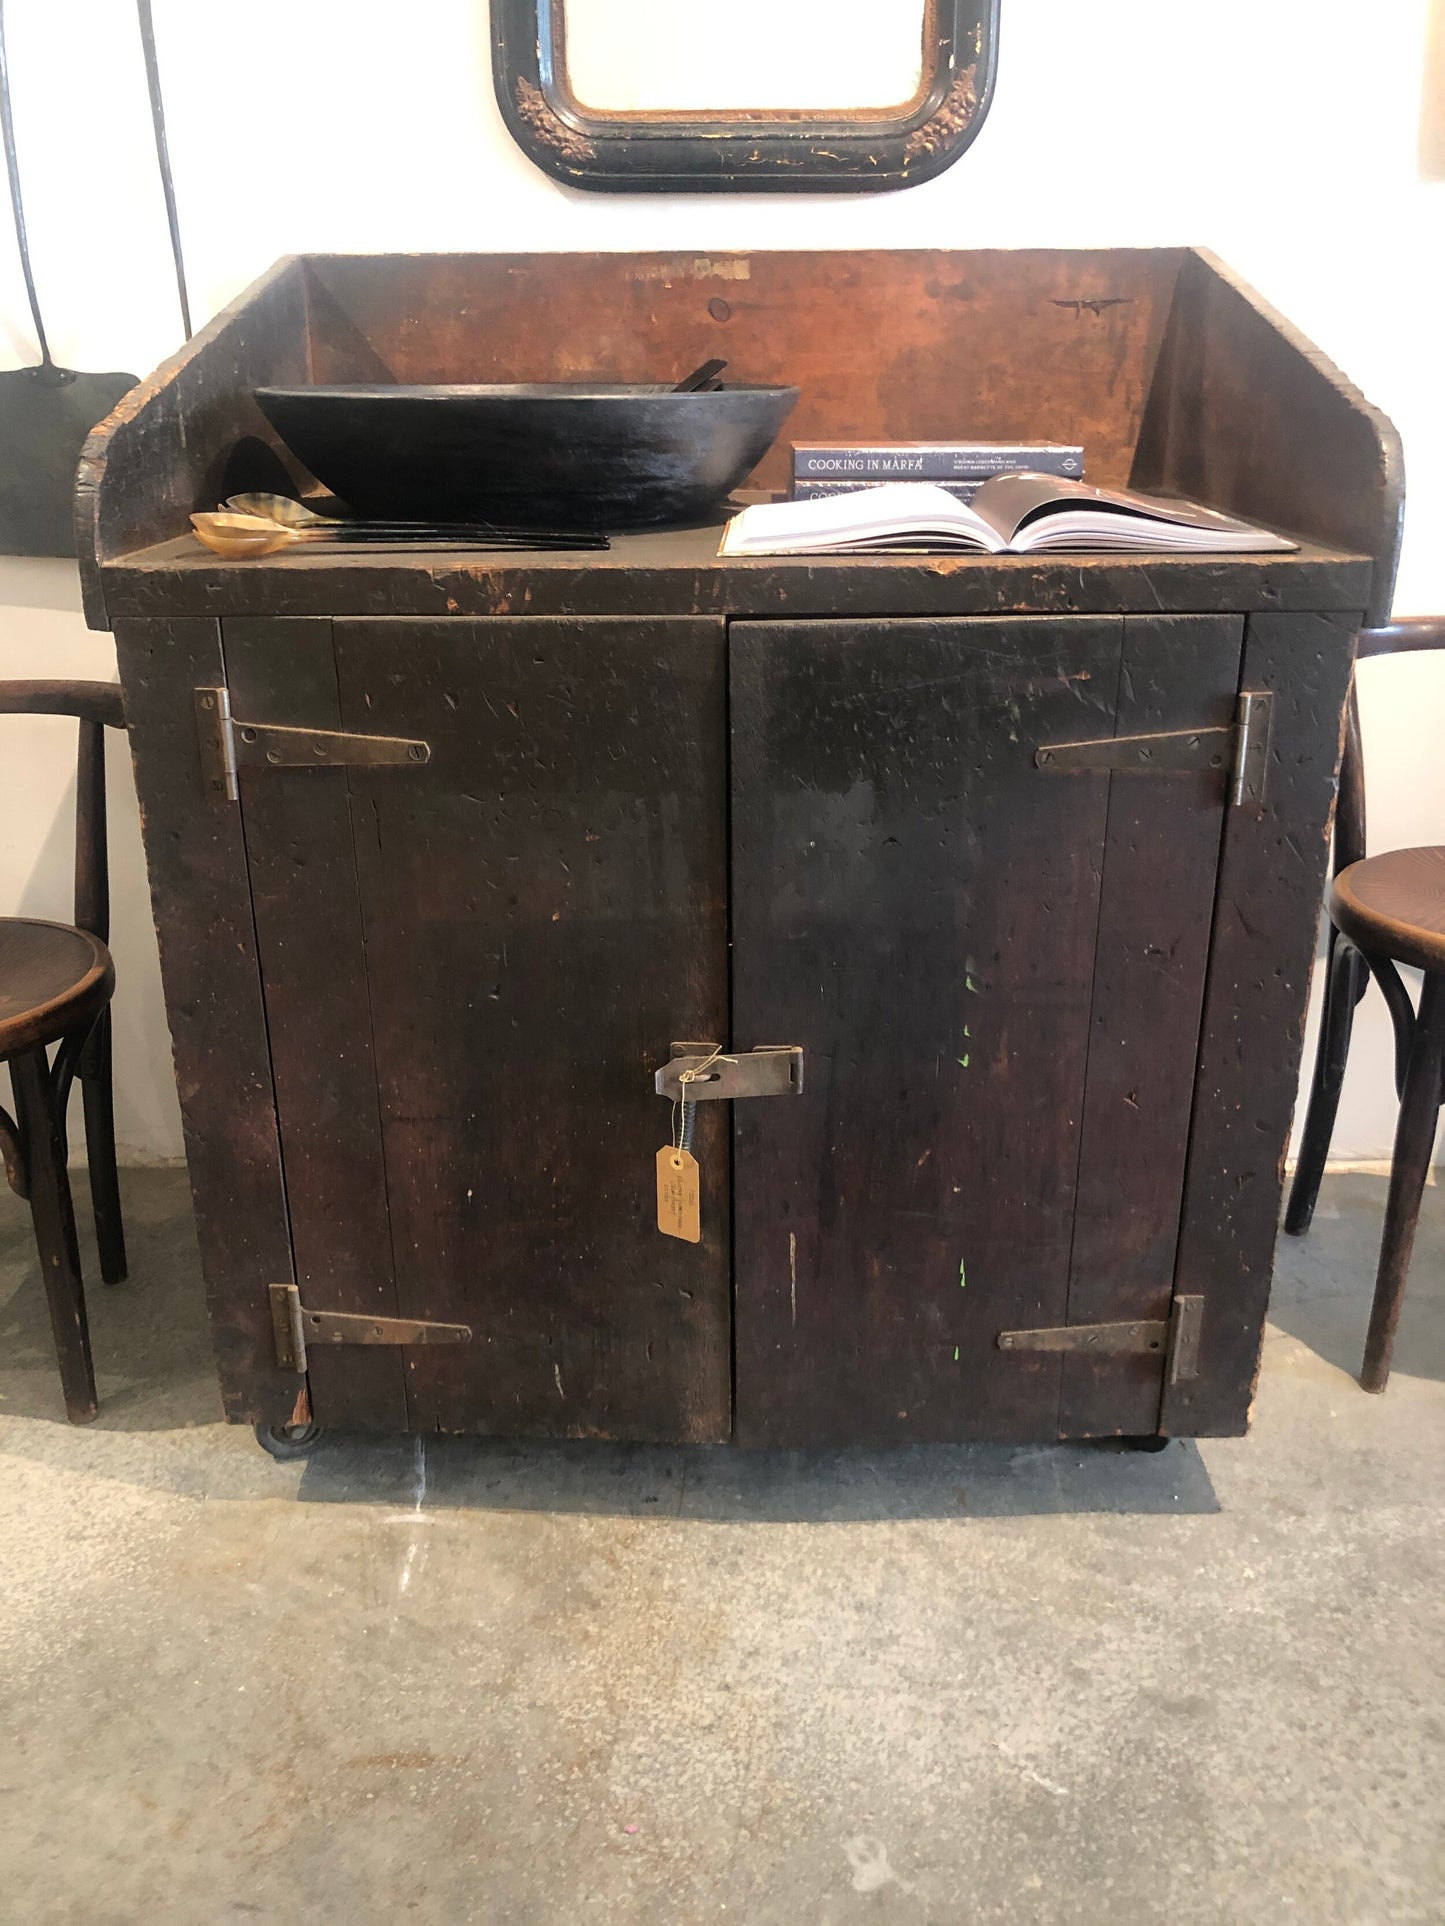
288 1440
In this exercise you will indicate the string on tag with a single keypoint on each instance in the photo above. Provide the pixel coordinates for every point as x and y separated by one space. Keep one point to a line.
681 1132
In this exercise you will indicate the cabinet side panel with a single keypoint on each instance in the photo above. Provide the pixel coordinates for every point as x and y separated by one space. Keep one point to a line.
1249 415
201 898
313 971
1160 863
1271 882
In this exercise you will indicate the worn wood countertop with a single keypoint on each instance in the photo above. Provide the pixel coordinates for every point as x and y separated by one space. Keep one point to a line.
678 572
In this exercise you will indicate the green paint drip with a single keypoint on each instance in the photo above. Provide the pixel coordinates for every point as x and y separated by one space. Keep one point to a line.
963 1063
955 1354
970 985
962 1278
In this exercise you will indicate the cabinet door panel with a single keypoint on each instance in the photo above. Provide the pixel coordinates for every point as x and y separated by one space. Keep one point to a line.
537 911
1160 872
919 907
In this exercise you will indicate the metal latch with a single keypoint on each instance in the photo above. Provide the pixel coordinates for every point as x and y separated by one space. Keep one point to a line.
772 1071
1175 1338
295 1327
228 746
1242 747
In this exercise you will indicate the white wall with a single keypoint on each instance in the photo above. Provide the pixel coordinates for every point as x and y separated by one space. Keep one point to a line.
1285 134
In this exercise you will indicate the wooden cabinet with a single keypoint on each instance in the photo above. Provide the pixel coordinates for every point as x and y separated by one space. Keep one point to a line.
554 817
832 834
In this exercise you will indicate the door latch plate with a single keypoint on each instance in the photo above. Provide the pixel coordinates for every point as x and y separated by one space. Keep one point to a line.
771 1071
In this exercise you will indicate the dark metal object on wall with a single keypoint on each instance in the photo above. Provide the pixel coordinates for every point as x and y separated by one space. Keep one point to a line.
846 151
46 412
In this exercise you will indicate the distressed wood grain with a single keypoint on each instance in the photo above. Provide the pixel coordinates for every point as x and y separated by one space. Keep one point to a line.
1271 879
1160 862
916 905
200 891
543 910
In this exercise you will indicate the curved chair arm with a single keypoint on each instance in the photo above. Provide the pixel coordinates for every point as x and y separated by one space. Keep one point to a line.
1402 637
98 702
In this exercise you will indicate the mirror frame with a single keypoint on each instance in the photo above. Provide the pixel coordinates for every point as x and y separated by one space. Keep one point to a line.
752 149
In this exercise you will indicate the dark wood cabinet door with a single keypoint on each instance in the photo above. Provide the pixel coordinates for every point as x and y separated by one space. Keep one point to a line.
472 969
996 975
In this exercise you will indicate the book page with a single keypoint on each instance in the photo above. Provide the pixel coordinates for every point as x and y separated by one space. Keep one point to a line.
896 514
1014 503
1107 530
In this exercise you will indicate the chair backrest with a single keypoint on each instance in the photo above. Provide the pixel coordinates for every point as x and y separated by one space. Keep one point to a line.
98 707
1409 635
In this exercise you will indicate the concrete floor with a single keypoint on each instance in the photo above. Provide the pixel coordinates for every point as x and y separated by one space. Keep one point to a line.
483 1682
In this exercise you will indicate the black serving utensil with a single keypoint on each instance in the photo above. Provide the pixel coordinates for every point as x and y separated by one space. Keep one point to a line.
46 412
287 512
237 536
702 380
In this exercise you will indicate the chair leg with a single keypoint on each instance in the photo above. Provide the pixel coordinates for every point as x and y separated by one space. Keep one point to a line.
54 1220
96 1095
1345 983
1414 1141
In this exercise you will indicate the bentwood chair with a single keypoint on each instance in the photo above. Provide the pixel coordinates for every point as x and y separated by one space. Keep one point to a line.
1384 911
55 985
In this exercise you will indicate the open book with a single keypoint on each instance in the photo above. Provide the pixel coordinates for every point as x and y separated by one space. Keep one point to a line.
1011 514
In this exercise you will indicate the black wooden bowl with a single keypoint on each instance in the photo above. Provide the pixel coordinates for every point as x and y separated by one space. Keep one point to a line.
556 455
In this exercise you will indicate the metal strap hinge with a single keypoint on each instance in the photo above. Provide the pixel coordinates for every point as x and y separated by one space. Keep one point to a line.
1241 747
295 1327
228 746
1175 1339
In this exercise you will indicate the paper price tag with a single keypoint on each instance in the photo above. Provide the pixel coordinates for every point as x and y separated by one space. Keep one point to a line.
678 1209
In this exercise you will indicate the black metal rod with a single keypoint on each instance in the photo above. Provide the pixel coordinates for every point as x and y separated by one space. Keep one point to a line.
163 155
17 204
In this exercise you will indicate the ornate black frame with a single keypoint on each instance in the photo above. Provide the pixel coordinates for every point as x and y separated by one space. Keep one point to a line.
758 151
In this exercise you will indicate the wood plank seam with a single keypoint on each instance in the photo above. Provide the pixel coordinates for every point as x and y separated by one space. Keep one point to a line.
396 1294
1079 1139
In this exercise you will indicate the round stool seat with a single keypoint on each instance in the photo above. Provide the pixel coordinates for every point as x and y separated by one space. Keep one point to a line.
1394 906
53 978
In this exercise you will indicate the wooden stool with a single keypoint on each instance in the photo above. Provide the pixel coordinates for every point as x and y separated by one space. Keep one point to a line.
1384 910
55 986
1392 909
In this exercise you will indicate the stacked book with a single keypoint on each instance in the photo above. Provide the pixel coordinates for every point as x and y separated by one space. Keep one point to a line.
962 467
